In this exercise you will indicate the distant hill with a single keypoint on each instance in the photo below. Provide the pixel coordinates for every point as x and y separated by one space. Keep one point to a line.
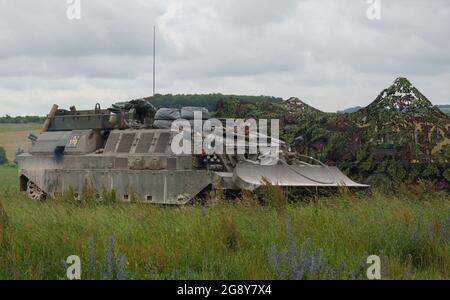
349 110
444 108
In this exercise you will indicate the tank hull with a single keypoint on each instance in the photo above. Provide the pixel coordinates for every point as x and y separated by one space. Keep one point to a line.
139 164
153 186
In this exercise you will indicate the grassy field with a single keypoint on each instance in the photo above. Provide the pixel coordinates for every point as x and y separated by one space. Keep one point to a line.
326 238
14 136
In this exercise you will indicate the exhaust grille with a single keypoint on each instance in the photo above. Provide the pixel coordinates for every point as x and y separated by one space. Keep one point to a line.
144 143
163 142
112 143
126 142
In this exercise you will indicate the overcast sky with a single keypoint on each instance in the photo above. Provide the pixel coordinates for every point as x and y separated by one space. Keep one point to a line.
325 52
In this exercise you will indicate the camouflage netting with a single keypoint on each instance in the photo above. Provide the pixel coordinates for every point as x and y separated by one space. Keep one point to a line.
400 137
142 109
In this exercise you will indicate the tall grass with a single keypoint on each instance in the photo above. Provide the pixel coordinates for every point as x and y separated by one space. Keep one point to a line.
329 237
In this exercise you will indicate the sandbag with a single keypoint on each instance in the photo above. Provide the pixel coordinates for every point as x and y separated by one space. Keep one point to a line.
187 113
162 124
168 114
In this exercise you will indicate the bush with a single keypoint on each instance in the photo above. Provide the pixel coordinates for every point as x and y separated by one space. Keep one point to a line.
446 175
3 159
273 195
229 232
431 171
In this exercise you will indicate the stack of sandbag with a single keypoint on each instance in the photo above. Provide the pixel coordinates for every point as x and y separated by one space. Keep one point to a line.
164 117
187 113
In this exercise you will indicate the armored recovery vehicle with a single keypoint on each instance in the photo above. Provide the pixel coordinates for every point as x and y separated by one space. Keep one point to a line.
127 149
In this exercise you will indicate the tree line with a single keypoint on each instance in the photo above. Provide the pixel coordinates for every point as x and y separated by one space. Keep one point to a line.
21 119
209 101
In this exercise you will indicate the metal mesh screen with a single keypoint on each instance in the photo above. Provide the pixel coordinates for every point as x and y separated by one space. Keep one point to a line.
145 142
126 142
163 142
112 142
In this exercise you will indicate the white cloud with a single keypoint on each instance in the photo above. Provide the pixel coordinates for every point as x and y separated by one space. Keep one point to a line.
323 51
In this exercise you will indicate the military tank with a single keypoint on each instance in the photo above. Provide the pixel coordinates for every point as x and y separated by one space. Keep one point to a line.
126 149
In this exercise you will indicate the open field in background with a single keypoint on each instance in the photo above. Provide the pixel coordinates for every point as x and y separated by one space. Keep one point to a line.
20 127
325 238
8 178
13 136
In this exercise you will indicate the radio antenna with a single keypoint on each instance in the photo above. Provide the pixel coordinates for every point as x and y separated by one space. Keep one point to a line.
154 59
